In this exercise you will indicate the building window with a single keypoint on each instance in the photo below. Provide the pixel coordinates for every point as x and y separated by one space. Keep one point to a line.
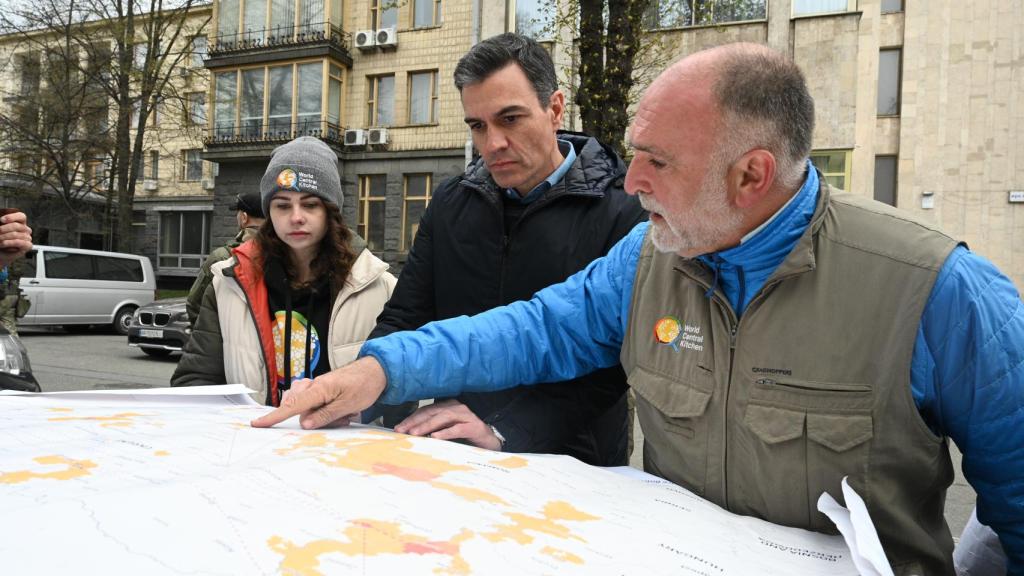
140 52
834 165
191 165
289 20
372 194
198 51
426 13
279 110
227 20
250 104
225 103
184 239
310 87
153 165
295 101
677 14
29 72
534 18
885 179
807 7
889 82
383 14
416 197
380 102
335 81
94 173
890 6
197 108
423 104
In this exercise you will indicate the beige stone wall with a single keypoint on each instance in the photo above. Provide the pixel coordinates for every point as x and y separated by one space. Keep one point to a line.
962 133
437 48
826 50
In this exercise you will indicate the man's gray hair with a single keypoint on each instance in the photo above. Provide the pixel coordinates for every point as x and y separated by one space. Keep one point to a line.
764 101
499 51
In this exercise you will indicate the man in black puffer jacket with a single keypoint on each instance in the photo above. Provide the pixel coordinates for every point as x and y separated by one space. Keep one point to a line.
537 207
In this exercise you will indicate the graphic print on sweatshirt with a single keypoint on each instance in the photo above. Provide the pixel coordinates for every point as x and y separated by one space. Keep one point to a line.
298 345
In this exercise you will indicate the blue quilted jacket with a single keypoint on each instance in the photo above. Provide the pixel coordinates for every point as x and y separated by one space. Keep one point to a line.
967 373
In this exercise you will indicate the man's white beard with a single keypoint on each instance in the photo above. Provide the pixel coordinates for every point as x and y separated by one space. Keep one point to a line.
703 227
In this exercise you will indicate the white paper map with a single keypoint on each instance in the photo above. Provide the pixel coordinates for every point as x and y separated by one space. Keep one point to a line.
144 484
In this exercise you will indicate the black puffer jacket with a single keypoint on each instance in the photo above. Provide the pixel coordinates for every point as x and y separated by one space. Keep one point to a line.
463 262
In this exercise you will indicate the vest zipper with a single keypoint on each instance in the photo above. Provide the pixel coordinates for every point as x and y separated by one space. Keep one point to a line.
733 329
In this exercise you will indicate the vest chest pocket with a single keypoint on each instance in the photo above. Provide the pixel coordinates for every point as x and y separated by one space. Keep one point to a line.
671 413
785 458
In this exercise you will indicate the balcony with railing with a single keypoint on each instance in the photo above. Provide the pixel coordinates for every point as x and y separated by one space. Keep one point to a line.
256 132
280 42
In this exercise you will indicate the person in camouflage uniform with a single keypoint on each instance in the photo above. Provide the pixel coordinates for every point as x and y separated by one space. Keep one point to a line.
14 304
249 215
15 241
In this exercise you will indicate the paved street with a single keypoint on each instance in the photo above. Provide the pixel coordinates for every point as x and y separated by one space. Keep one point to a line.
103 360
98 360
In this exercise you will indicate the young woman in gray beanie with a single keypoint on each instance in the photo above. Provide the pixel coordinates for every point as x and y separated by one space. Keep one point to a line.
298 299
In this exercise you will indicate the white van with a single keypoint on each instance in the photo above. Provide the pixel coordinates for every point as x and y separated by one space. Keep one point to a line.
75 287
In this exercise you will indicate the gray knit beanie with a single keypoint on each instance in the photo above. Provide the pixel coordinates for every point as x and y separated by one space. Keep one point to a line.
304 165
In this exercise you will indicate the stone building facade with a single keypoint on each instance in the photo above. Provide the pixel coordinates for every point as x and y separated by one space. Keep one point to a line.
918 103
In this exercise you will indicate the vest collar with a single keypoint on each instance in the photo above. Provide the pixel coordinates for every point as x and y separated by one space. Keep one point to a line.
800 259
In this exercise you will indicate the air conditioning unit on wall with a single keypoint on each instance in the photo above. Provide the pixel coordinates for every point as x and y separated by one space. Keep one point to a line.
377 136
149 185
208 184
387 38
365 39
355 137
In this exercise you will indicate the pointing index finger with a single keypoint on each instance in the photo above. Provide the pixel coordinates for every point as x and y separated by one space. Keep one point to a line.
294 403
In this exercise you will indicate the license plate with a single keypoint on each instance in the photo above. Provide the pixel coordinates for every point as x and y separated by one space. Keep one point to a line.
151 333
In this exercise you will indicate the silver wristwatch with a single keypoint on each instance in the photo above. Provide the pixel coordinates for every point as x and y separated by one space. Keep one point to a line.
501 439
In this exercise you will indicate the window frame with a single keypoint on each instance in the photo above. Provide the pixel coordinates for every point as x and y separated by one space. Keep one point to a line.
179 255
646 19
376 12
437 17
898 81
434 108
152 165
183 176
851 6
235 124
895 178
406 243
190 117
847 164
896 11
373 99
197 56
365 200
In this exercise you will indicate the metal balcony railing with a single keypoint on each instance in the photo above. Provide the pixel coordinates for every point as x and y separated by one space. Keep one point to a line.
259 133
280 36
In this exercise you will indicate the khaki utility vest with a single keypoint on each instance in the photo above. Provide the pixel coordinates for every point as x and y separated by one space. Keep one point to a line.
761 415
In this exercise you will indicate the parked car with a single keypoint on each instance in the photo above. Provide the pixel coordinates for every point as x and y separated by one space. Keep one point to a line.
15 370
75 288
160 327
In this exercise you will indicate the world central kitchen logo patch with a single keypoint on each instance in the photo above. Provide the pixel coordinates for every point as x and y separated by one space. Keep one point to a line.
670 331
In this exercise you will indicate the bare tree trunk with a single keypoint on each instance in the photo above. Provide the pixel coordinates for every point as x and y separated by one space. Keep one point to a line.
590 95
624 30
606 66
125 183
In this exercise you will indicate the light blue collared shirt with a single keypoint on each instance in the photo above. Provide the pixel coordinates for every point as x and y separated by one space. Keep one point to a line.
570 156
